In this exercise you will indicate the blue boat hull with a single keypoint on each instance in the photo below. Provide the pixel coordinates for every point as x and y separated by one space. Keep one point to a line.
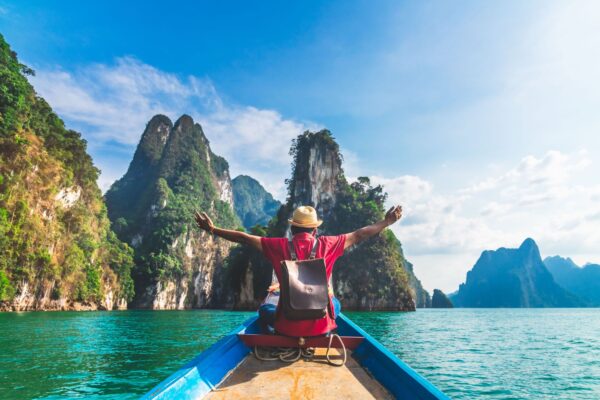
204 373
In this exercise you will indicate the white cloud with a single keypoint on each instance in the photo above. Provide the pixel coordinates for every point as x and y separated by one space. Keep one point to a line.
351 164
541 197
540 90
255 142
113 103
405 189
550 171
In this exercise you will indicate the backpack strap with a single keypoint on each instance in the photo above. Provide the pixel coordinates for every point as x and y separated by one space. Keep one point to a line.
313 252
292 250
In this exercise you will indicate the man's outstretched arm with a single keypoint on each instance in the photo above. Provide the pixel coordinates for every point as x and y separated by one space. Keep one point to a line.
204 222
393 215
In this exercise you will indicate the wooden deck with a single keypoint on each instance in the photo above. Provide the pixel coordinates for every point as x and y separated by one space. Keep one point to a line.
272 380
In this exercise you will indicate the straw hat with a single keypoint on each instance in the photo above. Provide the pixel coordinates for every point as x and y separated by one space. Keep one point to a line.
305 217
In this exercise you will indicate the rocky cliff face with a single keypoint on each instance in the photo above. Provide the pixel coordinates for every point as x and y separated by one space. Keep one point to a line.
583 282
253 204
57 251
317 177
373 275
421 296
512 278
173 173
247 276
440 300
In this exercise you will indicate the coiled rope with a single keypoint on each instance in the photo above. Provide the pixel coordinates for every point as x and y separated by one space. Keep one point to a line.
293 354
285 354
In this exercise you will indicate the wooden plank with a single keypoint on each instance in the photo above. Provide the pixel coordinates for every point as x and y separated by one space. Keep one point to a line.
251 340
372 367
256 380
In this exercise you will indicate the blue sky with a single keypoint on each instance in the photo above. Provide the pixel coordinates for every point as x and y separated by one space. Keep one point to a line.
480 117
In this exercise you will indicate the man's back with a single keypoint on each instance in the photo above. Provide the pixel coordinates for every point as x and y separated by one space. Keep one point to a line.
303 224
330 248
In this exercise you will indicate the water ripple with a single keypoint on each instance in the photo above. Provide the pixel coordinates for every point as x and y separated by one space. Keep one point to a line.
498 353
467 353
100 355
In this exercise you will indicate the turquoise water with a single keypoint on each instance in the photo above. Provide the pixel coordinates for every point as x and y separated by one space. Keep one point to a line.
497 353
467 353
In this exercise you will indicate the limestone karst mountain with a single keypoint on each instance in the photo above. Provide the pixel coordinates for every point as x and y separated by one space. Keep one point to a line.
173 173
420 295
57 251
512 278
373 275
583 282
253 204
440 300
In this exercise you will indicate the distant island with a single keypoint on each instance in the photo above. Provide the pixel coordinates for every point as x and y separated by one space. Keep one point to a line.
582 281
519 278
440 300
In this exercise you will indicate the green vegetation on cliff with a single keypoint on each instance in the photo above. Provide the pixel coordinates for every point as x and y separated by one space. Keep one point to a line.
55 240
373 275
173 173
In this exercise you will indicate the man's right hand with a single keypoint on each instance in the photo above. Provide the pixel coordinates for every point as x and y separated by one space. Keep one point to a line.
393 214
203 221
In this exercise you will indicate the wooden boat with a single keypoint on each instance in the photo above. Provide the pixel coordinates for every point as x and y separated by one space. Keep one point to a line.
229 370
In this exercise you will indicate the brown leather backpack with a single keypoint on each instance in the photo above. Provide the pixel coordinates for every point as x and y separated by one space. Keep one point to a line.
304 290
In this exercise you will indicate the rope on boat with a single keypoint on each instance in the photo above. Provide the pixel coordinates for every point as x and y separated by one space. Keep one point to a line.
293 354
285 354
329 348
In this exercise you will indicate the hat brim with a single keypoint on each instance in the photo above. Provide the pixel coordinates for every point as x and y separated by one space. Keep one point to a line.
307 225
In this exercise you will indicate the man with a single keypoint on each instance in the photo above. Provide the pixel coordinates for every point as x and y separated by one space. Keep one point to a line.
304 224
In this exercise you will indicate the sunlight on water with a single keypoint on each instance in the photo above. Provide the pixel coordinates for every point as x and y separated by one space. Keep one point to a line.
467 353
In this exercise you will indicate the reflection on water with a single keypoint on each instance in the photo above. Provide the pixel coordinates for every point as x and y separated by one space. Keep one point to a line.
467 353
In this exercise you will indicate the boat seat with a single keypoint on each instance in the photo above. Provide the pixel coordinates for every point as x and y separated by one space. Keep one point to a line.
251 340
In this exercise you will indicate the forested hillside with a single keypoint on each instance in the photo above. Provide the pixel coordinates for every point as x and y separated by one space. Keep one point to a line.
253 204
371 276
172 174
56 247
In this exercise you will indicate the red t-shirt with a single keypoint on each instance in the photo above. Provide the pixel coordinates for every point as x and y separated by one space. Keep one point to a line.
276 250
